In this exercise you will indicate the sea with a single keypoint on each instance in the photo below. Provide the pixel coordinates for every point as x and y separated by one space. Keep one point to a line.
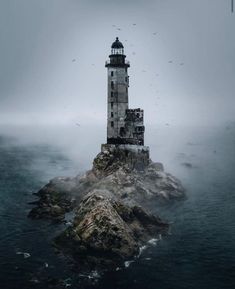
198 252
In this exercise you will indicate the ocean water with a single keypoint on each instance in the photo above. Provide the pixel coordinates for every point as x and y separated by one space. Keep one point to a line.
199 252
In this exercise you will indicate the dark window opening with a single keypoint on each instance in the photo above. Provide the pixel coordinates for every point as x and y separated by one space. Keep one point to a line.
112 124
111 114
111 104
122 131
139 129
111 93
112 84
111 73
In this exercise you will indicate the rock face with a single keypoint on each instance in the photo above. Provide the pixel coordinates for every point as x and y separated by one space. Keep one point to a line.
109 224
55 199
107 231
113 157
118 174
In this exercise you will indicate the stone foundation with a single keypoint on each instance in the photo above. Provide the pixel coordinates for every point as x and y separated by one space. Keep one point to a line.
135 156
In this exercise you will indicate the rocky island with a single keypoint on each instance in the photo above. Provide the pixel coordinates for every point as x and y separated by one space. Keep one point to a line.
112 202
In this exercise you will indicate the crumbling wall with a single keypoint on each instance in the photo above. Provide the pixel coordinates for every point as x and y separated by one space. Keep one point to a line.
134 126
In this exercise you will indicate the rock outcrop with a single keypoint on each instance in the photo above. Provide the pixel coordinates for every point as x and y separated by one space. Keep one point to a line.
105 231
111 203
55 200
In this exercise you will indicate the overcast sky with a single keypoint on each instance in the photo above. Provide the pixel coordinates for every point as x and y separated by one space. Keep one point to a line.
52 55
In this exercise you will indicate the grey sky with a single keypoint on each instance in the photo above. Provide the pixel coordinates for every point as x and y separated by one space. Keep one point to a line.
182 55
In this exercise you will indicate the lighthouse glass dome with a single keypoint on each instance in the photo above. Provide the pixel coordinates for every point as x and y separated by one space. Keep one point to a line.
117 47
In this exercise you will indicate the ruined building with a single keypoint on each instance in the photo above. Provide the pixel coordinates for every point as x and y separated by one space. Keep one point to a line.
125 126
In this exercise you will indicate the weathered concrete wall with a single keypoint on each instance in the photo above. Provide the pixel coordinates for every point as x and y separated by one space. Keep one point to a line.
124 125
117 100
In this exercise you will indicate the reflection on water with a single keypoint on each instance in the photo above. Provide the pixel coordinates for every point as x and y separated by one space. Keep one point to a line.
199 252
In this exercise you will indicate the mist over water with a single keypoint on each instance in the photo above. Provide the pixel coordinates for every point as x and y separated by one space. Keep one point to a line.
53 121
199 252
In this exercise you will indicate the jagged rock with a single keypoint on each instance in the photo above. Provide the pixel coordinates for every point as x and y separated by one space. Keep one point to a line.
112 157
134 186
105 230
110 225
55 199
112 172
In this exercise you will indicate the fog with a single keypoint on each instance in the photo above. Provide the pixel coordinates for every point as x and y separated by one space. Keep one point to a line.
53 52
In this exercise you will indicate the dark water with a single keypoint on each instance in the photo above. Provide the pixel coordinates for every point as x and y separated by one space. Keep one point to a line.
199 252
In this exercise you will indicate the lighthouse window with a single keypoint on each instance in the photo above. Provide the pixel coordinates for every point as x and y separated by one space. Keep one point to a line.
111 114
111 104
111 73
111 123
122 131
111 93
112 84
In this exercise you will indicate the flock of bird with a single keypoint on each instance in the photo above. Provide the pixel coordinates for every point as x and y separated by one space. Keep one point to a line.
131 45
134 53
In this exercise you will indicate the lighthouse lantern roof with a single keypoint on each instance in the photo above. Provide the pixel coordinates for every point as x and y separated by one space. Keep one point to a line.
117 44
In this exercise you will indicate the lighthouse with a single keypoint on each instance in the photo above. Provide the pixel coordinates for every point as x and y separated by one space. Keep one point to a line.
124 125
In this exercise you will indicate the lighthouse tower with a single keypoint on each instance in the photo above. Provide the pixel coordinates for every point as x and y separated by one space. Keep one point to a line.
117 92
124 125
